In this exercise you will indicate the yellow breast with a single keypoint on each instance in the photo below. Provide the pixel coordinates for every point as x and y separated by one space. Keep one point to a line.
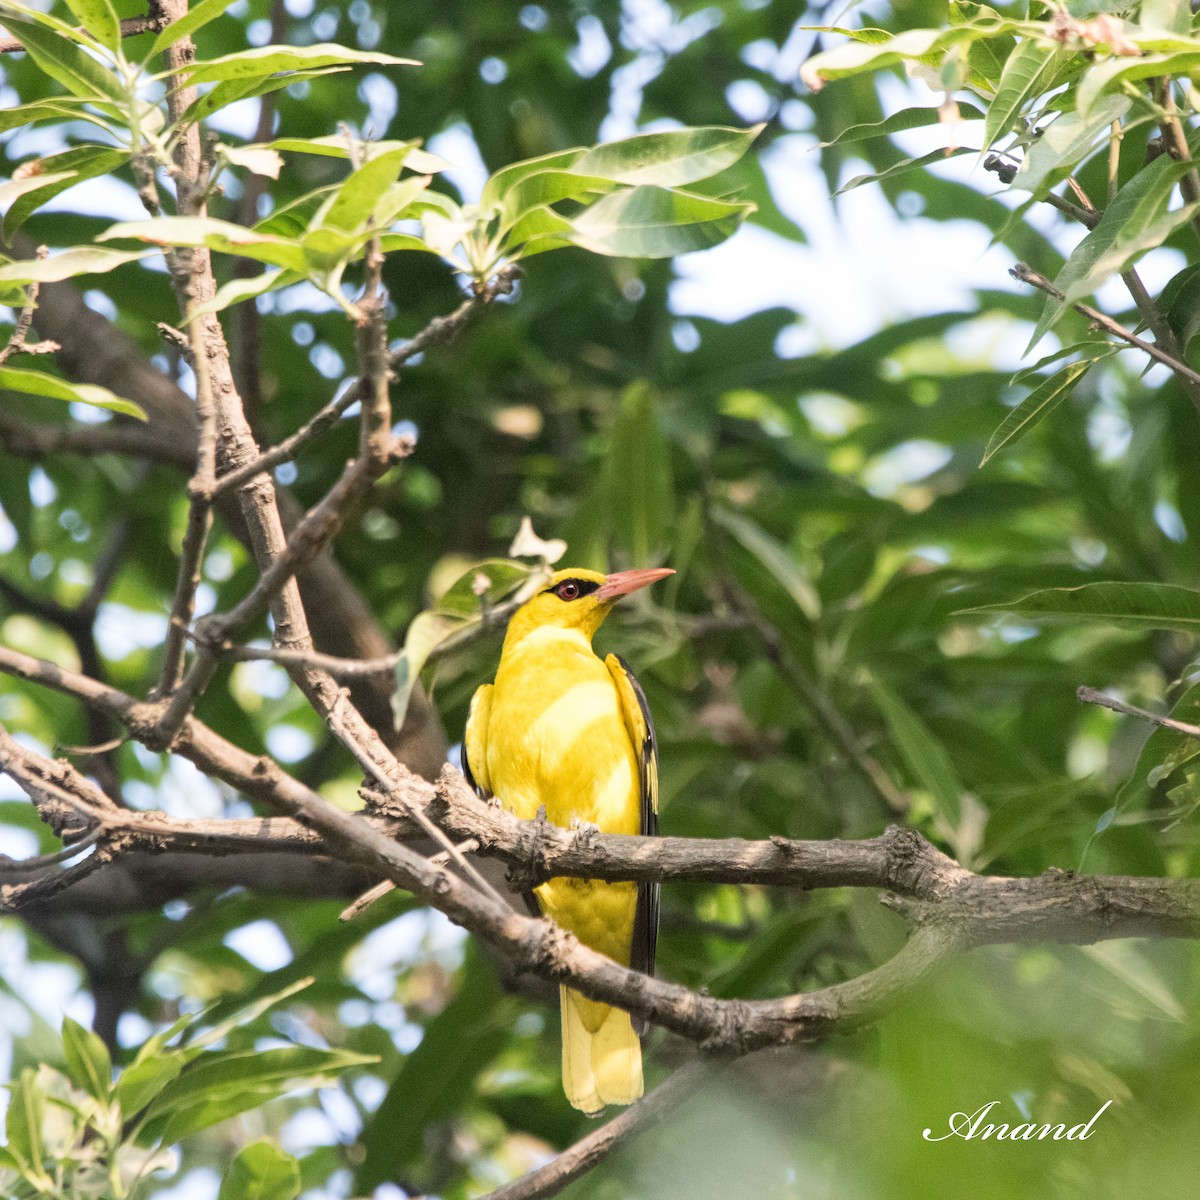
556 737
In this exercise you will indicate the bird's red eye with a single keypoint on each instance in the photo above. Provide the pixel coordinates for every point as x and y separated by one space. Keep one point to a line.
568 590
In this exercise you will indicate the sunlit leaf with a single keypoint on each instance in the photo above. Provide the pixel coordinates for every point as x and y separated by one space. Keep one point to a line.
100 20
38 383
653 222
195 18
1135 605
260 61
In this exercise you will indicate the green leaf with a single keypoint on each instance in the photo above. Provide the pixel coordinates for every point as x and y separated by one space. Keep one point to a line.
774 557
232 90
143 1079
238 290
507 178
1136 221
653 222
354 203
59 172
641 497
221 1084
38 383
1125 960
1028 73
485 585
261 1171
335 146
538 230
544 188
1104 76
24 1122
1131 605
16 188
873 49
670 159
1065 142
462 604
64 61
904 167
87 1060
1181 299
83 260
899 122
258 160
39 110
198 16
99 19
222 236
925 756
246 1014
1038 405
269 60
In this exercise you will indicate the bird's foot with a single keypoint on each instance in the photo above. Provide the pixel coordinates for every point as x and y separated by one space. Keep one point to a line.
585 832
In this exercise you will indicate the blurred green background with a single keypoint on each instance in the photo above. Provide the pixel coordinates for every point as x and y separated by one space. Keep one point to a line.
793 421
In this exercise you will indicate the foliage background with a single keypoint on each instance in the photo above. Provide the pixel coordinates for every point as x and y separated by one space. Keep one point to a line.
826 469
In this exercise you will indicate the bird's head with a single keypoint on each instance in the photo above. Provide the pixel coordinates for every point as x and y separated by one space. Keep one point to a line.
577 599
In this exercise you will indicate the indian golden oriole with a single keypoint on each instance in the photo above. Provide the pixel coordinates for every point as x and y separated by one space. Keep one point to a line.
562 730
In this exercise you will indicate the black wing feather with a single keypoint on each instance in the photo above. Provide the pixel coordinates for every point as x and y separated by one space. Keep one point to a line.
645 927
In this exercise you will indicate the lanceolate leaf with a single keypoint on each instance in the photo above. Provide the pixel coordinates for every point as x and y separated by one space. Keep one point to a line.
65 62
904 167
336 146
237 290
905 119
1065 142
1038 405
671 159
224 1083
222 236
99 19
88 1059
354 202
269 60
1134 222
1027 74
1134 605
197 17
38 383
654 222
926 757
232 90
83 260
63 171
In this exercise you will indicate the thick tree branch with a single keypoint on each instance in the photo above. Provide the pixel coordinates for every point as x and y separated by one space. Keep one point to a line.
949 908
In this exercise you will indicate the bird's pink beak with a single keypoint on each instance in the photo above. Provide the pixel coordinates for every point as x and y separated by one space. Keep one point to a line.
624 582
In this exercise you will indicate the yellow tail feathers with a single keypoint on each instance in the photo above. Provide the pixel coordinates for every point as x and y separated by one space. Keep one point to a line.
602 1056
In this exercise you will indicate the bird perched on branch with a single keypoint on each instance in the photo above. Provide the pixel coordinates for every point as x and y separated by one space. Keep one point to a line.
564 731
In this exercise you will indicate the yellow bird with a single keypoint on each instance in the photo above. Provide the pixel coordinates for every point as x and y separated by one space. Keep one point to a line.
562 730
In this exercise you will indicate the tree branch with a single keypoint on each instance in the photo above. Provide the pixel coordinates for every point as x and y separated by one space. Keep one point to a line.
590 1151
1181 369
949 908
130 27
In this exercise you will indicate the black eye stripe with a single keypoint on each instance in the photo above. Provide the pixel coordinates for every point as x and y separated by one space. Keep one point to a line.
575 588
